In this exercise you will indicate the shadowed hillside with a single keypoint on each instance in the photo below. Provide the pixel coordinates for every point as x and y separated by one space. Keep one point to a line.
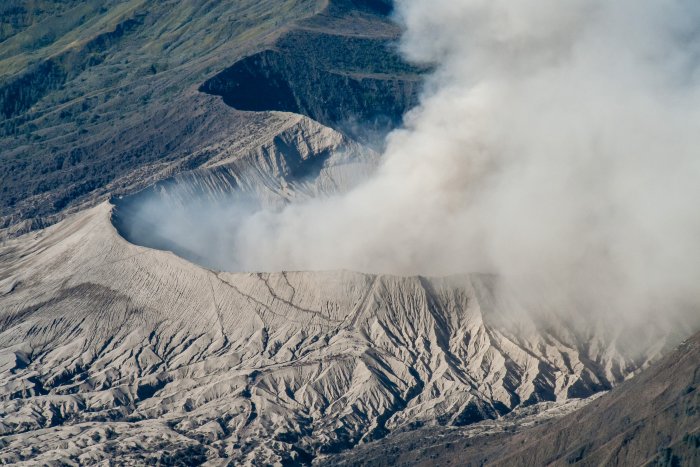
101 97
339 68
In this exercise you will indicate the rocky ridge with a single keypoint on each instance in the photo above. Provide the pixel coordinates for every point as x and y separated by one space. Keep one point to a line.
651 419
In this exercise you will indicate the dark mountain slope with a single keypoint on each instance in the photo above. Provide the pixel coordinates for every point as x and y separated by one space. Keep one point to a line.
101 97
339 68
98 91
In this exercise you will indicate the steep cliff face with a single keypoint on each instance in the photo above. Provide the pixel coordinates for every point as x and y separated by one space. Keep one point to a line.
132 353
339 68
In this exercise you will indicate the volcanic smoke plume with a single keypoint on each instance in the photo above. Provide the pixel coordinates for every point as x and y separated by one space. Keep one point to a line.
556 145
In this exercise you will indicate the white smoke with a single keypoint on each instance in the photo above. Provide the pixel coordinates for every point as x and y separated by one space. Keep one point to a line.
557 144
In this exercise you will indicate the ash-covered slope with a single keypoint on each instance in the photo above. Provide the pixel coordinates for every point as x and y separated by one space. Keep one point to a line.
112 350
652 419
292 157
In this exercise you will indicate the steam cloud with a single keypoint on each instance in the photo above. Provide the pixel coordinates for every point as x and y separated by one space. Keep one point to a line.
557 144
